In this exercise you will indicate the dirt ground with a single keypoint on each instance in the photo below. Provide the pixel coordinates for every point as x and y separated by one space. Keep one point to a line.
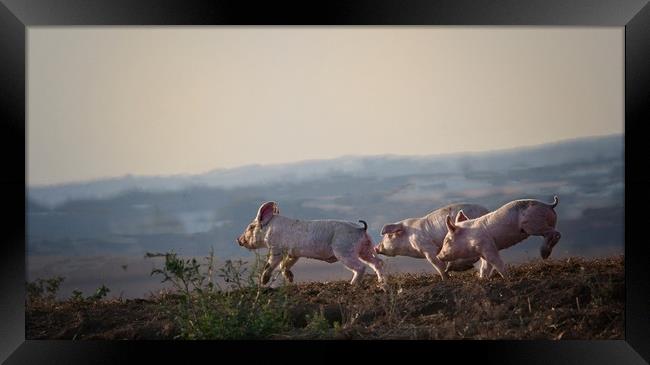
554 299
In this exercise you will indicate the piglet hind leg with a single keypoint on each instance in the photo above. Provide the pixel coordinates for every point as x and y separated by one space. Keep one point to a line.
541 222
354 264
551 238
375 263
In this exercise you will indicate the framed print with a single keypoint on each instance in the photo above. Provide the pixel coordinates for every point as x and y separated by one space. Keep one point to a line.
202 178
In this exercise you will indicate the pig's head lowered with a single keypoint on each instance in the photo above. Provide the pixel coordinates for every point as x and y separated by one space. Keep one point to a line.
394 240
253 236
459 240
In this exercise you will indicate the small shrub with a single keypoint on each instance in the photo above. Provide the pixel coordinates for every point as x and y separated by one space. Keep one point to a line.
77 296
207 311
43 290
317 324
184 275
100 293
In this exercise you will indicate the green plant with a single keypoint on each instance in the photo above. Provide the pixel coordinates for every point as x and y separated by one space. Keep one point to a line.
390 303
184 275
99 293
243 309
338 328
43 290
77 295
317 324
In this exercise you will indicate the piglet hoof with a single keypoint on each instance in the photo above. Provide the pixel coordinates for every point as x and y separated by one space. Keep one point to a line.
382 286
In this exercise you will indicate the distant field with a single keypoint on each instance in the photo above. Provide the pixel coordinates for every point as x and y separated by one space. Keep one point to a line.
571 298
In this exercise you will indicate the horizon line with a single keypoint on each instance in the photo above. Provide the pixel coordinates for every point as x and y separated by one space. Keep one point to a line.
278 164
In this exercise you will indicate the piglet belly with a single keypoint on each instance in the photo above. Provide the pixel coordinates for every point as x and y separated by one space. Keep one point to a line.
511 239
312 251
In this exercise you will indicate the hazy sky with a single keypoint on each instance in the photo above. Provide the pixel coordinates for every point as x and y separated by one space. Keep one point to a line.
106 101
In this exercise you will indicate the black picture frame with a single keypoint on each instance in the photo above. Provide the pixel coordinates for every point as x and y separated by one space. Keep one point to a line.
17 15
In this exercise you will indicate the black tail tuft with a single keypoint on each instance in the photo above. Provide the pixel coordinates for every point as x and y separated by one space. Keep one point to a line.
365 225
555 201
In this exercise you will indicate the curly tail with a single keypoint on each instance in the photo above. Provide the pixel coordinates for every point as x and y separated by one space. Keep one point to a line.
555 201
365 225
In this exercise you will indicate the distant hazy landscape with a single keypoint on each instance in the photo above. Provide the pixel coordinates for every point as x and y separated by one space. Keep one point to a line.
97 232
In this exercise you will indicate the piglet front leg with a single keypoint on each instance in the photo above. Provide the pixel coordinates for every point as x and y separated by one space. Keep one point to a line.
492 261
485 270
437 264
273 262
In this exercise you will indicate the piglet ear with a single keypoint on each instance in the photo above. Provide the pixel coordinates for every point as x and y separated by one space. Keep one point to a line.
461 216
266 212
392 228
450 224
